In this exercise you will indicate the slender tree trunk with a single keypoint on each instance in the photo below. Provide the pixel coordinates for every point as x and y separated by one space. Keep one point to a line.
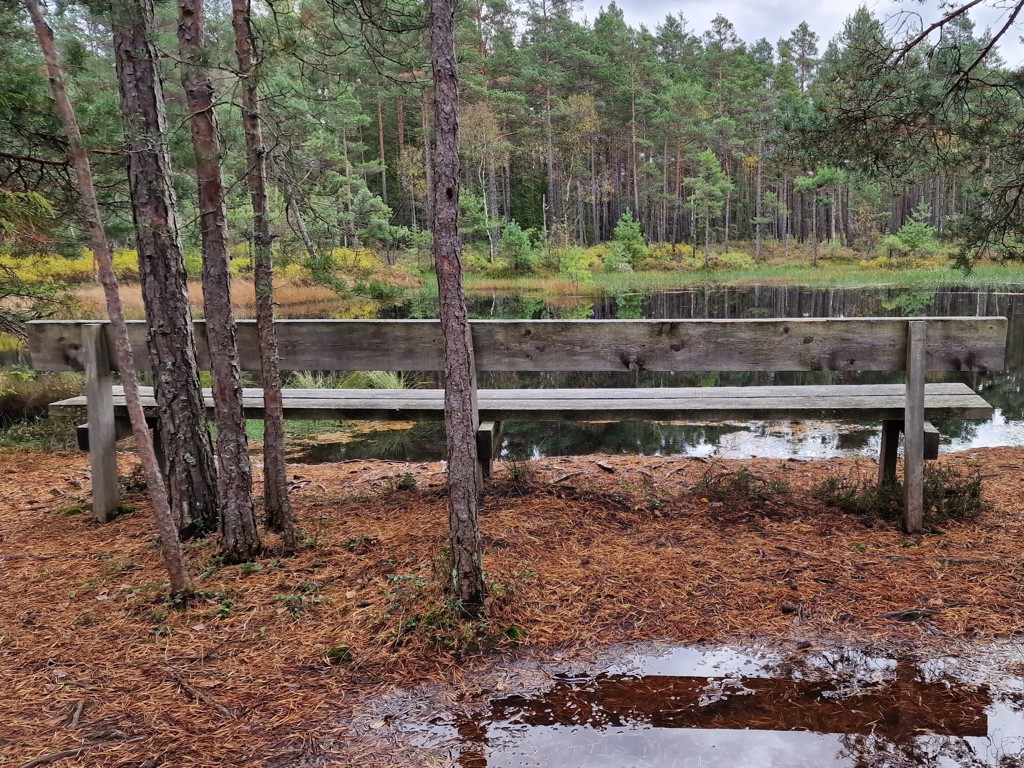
550 156
757 203
190 469
595 202
728 216
633 152
461 417
294 213
428 161
676 220
277 509
383 162
239 539
494 232
170 546
814 231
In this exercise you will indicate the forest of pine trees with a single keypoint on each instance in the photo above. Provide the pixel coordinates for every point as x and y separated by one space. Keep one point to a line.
567 125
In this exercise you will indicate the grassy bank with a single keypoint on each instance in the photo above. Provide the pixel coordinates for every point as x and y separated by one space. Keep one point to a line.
842 274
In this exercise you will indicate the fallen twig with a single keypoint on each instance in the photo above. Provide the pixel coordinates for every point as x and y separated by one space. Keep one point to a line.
75 715
202 697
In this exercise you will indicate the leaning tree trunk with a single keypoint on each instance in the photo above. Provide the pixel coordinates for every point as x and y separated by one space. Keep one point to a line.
190 470
239 539
170 546
275 478
460 407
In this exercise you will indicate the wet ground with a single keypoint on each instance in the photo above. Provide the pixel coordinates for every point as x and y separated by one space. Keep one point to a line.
730 707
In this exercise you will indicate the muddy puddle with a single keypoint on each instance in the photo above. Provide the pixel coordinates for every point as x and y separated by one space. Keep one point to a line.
723 707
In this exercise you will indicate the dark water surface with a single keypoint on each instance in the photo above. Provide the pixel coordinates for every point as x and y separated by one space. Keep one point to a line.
1004 390
694 706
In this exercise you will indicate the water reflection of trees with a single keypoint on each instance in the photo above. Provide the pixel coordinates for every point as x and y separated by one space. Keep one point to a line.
1003 390
888 713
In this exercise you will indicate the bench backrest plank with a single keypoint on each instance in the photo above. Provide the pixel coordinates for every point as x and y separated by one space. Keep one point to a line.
846 344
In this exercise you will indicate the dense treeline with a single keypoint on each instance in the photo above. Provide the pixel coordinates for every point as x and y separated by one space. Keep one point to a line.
567 126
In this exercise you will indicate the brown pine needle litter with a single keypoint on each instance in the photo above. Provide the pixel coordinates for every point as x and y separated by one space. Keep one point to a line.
270 662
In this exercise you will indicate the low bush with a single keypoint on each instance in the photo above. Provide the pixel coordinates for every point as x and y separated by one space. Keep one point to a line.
948 495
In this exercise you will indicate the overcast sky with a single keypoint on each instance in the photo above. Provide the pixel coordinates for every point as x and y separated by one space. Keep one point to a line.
777 18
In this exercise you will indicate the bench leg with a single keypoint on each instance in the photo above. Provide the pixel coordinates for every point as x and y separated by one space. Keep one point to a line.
913 443
931 442
488 445
887 455
102 425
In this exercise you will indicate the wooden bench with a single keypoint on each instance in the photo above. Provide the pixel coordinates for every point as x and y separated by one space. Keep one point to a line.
912 345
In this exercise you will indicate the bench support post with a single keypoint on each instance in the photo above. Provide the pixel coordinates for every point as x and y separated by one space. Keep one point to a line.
887 454
931 442
102 426
913 443
488 445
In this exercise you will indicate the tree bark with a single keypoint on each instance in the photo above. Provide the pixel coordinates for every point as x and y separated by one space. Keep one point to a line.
383 162
191 476
428 161
239 538
170 546
461 417
277 509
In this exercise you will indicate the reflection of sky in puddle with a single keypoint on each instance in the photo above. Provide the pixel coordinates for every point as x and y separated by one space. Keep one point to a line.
883 703
823 440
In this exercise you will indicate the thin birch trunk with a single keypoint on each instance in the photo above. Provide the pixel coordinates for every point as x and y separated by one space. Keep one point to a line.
277 509
170 546
383 162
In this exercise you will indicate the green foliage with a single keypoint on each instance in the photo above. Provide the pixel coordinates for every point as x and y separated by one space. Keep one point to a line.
724 486
730 261
23 214
914 239
516 247
628 246
948 495
576 265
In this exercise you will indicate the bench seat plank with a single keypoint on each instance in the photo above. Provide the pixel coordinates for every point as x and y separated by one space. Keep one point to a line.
943 401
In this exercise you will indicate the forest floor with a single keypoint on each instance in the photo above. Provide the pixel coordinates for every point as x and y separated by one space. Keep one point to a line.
278 662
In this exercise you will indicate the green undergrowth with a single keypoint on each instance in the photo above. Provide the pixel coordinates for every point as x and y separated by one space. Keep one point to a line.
418 611
835 275
949 495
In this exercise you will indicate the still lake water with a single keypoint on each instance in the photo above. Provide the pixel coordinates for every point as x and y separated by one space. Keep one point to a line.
1004 390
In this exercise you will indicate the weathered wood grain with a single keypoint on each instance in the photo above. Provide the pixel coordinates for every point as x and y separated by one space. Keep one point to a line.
913 426
103 431
887 454
835 344
867 402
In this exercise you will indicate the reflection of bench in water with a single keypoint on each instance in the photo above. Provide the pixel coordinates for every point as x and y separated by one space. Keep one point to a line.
894 710
915 346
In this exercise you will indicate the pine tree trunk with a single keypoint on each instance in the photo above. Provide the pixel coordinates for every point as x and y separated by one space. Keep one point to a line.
757 203
291 204
383 161
191 476
550 159
461 418
428 161
814 231
633 153
277 509
170 546
234 471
